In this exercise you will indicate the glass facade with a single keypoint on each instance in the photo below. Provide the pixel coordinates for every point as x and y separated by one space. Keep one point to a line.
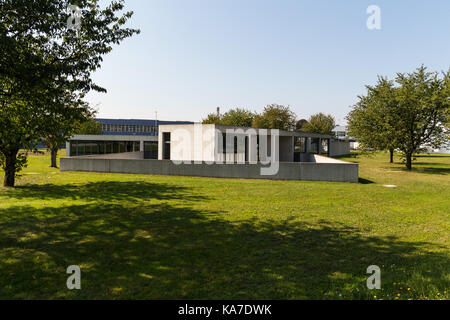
129 128
84 148
151 150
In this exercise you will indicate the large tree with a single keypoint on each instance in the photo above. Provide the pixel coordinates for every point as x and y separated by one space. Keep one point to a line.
276 116
373 118
408 114
46 61
320 123
422 104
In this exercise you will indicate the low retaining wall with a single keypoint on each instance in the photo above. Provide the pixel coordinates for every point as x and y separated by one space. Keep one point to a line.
338 171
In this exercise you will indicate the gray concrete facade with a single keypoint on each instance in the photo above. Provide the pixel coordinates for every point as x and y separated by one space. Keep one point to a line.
206 142
321 169
218 151
339 148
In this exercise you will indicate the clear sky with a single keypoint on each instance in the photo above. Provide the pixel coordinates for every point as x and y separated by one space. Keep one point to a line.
193 56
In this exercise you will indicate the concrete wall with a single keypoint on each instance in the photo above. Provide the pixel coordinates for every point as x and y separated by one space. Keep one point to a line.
205 143
336 171
339 148
286 149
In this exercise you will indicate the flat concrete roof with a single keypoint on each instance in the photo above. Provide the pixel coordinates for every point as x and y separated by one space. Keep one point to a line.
283 133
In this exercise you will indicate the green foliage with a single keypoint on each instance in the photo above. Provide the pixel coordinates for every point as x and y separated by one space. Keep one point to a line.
300 124
19 165
408 114
89 127
237 117
212 118
422 103
373 118
320 123
46 67
275 117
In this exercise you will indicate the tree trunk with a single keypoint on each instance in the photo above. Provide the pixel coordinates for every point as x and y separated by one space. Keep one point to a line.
391 151
54 154
409 161
10 169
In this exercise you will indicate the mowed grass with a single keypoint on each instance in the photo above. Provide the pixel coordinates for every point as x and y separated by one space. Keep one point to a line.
159 237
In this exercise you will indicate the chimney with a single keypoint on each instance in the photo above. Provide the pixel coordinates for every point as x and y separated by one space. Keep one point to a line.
218 112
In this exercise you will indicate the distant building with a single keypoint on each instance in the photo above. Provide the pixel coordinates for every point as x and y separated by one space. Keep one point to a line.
341 133
120 136
134 127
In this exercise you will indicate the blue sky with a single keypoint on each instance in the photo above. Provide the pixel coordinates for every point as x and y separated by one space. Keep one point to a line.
193 56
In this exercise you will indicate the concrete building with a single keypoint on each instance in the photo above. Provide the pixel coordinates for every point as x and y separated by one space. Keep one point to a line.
133 127
341 133
120 136
215 151
85 145
217 143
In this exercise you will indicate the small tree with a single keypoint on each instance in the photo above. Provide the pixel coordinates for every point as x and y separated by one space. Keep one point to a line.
212 118
62 127
275 117
320 123
88 127
237 117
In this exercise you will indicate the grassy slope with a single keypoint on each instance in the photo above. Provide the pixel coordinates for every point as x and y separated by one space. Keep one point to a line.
156 237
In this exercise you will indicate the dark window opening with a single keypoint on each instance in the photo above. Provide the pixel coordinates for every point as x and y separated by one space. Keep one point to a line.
166 146
151 150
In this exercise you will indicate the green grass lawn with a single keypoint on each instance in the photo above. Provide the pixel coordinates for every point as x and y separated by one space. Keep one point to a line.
158 237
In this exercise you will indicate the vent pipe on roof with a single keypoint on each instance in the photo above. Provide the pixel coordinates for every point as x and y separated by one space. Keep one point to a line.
156 122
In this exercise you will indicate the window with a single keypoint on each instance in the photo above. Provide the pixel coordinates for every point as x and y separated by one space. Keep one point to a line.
73 148
166 146
299 144
150 150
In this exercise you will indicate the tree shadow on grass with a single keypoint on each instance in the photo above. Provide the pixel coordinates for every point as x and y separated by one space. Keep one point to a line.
105 191
165 252
428 168
431 156
433 170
